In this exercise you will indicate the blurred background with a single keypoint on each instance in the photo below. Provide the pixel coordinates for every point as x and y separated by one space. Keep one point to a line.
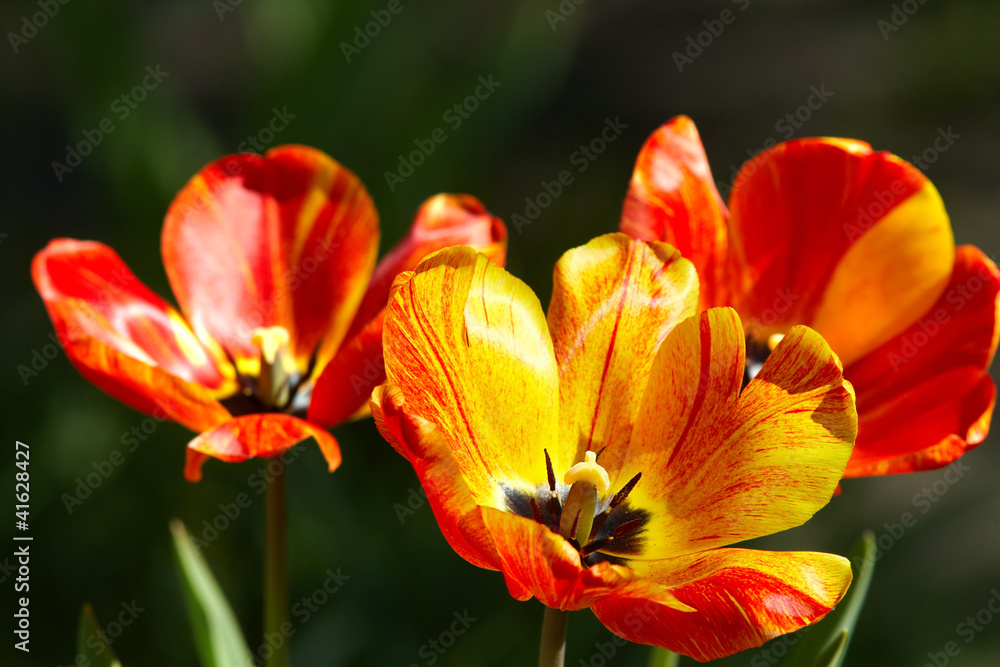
202 78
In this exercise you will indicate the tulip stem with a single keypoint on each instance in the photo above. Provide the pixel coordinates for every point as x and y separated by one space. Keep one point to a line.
276 571
552 652
661 657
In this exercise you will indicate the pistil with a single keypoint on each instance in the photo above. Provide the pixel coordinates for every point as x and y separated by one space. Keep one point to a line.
276 365
587 480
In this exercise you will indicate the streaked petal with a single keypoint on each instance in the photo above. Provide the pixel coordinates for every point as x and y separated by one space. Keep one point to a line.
672 198
288 239
718 466
248 436
443 220
741 597
925 397
831 234
468 346
613 301
422 445
90 292
538 562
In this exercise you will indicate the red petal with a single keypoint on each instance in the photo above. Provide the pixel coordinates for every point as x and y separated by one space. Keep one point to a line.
828 233
741 599
346 383
672 198
288 239
442 221
256 435
925 397
124 338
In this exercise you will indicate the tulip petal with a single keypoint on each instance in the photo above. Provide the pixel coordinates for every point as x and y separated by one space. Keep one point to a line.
672 198
253 435
613 301
468 346
346 383
924 397
741 598
852 242
536 560
443 220
422 445
718 466
125 339
288 239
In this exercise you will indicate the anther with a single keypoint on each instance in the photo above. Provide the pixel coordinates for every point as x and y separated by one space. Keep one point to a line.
536 512
551 473
627 489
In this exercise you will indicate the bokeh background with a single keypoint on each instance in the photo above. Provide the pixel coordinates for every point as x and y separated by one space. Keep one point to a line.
231 66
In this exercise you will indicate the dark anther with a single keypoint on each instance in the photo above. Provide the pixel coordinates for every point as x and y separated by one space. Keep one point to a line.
576 524
536 512
598 456
625 529
627 489
552 474
555 511
594 546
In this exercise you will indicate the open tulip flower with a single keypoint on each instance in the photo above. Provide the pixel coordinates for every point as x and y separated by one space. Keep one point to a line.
855 244
279 332
609 456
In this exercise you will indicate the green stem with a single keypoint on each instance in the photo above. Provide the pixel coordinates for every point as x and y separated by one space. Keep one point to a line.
552 652
661 657
276 570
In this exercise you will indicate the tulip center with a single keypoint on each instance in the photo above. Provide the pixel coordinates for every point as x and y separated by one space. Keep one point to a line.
757 353
586 516
274 387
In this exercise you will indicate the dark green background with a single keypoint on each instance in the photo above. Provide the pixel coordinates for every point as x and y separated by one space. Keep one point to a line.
941 69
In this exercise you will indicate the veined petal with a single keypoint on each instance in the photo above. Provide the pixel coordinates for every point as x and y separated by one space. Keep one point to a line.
288 239
90 292
853 243
443 220
536 561
672 198
253 435
613 301
125 339
468 346
741 598
925 397
422 445
718 466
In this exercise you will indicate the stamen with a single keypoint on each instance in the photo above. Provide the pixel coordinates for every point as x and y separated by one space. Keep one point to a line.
589 471
551 473
627 489
576 525
536 512
625 529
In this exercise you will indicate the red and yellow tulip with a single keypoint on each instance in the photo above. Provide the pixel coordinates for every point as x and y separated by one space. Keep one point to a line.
607 456
855 244
279 328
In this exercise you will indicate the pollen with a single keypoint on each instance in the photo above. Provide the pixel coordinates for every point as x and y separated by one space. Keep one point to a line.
589 470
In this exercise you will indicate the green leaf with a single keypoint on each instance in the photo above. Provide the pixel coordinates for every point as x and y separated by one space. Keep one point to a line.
91 642
825 644
216 633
